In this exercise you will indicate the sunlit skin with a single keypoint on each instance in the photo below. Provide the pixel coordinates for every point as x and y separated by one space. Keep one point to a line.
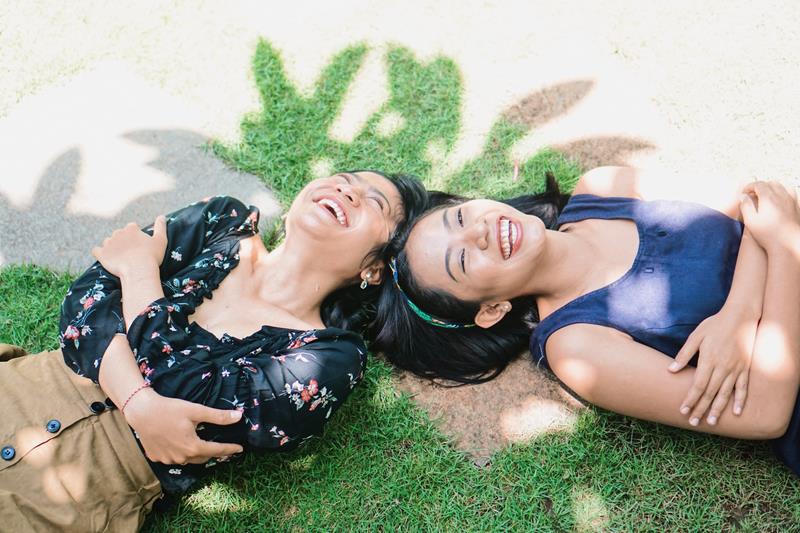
748 351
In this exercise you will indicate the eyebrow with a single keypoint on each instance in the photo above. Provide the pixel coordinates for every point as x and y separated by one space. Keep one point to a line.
370 189
448 252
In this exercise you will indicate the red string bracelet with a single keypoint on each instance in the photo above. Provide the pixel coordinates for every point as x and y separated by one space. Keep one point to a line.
134 393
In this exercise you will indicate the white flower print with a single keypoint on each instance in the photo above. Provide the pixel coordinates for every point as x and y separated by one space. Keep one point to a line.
176 255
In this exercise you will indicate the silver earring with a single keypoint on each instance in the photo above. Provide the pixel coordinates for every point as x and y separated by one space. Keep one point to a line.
365 281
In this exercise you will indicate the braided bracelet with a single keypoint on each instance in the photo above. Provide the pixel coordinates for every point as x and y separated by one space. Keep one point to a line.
134 393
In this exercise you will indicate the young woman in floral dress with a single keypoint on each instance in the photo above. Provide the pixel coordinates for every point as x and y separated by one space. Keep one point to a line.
204 344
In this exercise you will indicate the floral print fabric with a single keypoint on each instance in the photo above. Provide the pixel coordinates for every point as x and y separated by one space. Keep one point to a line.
286 382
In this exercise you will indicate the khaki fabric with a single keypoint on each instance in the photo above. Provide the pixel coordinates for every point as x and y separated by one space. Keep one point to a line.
88 475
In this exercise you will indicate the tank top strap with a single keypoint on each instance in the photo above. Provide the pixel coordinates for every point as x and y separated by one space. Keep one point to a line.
585 206
587 309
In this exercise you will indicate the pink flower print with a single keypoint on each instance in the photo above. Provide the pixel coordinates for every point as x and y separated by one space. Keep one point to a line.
205 375
305 395
218 256
255 402
313 387
154 335
88 302
144 369
71 333
254 427
170 309
234 213
166 349
295 344
189 285
283 441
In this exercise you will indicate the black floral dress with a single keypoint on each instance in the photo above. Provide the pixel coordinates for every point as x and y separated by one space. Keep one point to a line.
286 382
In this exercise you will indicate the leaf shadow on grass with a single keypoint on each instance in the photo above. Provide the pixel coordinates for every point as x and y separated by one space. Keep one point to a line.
179 154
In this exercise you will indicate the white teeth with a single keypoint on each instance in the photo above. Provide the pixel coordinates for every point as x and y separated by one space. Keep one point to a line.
506 228
513 234
336 209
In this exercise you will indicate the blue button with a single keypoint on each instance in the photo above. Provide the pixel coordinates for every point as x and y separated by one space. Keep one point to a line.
53 426
8 452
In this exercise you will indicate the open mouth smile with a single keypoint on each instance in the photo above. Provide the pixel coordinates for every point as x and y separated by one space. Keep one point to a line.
336 210
509 236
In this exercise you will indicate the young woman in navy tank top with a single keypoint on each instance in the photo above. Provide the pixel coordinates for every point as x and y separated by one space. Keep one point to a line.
672 312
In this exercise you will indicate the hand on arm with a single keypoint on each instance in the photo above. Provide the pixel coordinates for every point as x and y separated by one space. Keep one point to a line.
166 426
134 257
170 437
624 376
725 341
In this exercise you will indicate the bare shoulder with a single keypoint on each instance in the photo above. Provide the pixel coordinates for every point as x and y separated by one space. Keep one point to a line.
574 352
610 181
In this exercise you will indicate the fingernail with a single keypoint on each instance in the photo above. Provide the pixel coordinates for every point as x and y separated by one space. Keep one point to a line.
694 421
737 409
685 410
712 420
673 366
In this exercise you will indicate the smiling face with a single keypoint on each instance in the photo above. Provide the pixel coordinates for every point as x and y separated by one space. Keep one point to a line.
479 250
344 217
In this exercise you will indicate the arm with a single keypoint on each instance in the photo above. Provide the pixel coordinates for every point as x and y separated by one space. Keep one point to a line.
613 371
725 340
284 395
616 373
171 436
630 182
92 313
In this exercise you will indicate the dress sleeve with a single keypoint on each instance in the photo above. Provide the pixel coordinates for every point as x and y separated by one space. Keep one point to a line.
286 396
91 313
297 391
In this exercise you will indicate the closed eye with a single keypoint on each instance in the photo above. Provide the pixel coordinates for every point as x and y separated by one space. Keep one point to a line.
460 218
463 255
377 201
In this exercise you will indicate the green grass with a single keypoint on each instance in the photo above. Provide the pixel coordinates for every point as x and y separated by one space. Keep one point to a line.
382 465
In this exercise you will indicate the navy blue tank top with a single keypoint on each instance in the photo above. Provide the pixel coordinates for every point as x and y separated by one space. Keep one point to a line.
681 275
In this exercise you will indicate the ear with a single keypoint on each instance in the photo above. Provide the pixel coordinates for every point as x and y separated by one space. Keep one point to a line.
373 274
491 313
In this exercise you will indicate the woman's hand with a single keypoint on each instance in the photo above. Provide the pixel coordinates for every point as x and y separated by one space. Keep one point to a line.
771 214
130 248
725 343
167 428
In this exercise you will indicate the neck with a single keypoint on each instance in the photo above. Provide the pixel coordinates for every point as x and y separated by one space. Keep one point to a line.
563 269
293 281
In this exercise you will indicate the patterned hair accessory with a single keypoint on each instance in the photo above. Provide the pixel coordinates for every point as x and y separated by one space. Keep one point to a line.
432 320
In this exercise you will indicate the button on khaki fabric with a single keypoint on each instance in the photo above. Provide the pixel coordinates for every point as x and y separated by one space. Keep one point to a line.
89 475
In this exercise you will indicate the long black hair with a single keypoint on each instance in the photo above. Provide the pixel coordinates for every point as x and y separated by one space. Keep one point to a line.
464 355
351 307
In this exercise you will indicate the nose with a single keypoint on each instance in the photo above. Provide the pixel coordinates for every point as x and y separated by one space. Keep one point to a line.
478 234
351 192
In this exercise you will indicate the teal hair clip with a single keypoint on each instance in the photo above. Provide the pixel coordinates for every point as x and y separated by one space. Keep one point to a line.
432 320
